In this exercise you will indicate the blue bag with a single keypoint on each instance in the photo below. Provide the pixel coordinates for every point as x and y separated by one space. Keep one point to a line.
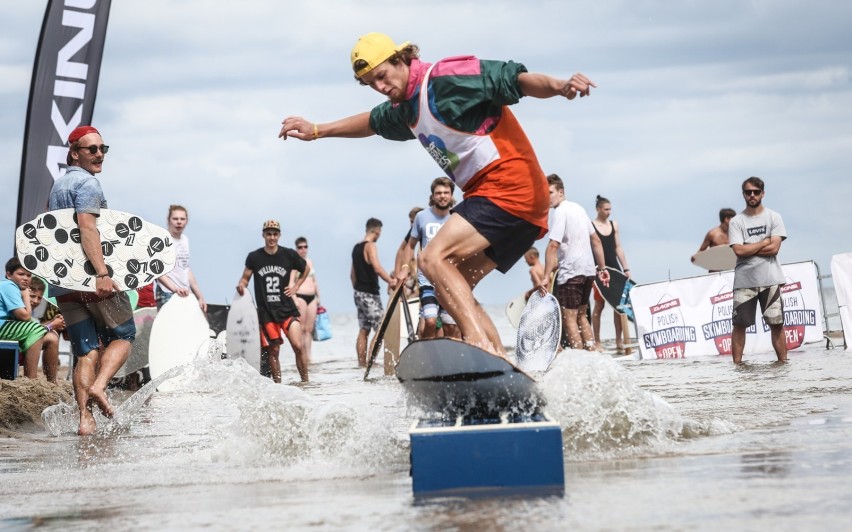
322 327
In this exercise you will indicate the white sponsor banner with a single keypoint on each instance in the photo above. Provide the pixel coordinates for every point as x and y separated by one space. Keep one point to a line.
692 317
841 274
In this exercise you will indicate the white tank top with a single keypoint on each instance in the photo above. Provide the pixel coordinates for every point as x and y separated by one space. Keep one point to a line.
461 155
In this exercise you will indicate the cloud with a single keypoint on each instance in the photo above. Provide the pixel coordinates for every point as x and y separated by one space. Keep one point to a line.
693 98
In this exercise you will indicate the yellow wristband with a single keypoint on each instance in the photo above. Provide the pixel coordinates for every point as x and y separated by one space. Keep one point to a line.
316 132
406 266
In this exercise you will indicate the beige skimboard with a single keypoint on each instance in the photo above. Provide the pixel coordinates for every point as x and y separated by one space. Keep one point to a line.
378 338
515 308
717 258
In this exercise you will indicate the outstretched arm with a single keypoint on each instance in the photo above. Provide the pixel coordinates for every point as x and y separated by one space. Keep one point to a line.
355 126
544 86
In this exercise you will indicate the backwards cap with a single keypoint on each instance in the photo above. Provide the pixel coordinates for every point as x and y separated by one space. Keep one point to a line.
81 132
374 49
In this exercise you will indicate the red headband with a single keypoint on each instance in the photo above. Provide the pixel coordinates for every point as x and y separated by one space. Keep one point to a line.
81 132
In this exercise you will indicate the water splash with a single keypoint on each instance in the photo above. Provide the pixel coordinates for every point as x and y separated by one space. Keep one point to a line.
64 418
602 411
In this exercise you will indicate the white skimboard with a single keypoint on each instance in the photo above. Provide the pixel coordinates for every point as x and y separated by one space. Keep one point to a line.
179 330
539 332
135 251
717 258
515 308
243 330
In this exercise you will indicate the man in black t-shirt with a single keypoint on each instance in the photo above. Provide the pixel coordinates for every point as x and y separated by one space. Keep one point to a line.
271 267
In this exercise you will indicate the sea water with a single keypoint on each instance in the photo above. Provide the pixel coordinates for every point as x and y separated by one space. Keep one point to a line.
670 445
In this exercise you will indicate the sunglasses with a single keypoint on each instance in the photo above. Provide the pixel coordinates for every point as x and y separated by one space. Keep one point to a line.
93 149
752 192
302 246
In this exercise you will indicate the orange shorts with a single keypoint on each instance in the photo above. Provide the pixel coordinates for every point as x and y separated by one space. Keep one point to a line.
270 332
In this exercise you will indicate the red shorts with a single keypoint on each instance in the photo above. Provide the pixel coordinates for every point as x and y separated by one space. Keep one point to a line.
597 293
270 332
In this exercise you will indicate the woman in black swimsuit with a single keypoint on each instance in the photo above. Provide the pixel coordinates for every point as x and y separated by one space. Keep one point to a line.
307 299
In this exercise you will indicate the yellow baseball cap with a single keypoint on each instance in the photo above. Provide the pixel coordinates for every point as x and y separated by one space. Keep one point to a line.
374 49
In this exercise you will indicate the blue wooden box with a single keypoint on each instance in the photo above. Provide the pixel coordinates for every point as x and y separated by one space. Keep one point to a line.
470 456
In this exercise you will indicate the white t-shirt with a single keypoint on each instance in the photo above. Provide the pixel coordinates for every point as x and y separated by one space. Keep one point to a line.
571 227
180 274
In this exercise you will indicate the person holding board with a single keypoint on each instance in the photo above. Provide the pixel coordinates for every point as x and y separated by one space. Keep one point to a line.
575 254
458 108
610 238
716 237
104 317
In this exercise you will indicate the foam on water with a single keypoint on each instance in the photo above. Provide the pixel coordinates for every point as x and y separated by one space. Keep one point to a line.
281 425
602 411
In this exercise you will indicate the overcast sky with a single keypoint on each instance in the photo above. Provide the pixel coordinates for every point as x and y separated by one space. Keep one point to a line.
693 97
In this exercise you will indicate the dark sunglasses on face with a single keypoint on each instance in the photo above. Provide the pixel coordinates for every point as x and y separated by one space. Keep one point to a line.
93 149
752 192
302 246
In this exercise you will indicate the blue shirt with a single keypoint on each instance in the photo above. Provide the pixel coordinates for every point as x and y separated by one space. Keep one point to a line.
78 190
10 299
425 227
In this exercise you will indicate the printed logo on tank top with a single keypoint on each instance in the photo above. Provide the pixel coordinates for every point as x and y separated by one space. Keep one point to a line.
437 148
756 231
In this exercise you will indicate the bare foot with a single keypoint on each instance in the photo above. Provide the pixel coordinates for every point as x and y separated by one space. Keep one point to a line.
101 399
87 423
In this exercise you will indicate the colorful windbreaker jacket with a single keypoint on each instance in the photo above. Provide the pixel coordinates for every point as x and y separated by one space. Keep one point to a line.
470 131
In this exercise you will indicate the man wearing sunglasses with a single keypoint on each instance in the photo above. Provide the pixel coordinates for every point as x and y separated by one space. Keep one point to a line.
105 316
458 108
755 235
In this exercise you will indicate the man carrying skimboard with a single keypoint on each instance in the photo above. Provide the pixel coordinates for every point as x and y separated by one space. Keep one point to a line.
717 236
458 108
105 316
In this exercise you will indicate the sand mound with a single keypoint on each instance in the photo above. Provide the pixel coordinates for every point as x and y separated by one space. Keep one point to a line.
22 400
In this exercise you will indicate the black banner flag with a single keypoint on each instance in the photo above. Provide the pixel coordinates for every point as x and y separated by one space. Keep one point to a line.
62 94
